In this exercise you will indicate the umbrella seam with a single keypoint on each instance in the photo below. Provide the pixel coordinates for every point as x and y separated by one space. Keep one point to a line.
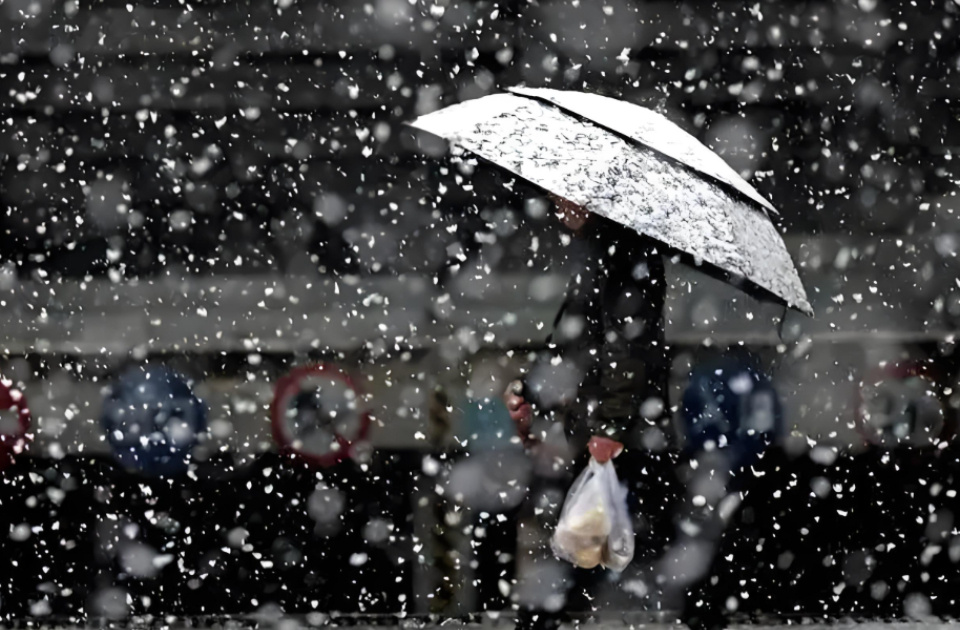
732 189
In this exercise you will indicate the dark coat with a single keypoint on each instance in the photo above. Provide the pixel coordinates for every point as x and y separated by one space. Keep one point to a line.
605 370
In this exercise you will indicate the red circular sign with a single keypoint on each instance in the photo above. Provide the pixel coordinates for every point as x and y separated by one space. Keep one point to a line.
14 422
316 414
899 405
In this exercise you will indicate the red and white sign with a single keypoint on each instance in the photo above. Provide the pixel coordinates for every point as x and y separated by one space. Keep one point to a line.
316 413
14 422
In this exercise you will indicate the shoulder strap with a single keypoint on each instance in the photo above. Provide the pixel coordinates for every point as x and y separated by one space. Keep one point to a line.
556 320
568 297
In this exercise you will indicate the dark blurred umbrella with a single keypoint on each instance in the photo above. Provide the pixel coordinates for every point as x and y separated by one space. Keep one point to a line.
633 166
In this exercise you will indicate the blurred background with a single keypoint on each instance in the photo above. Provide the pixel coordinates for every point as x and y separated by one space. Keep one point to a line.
226 190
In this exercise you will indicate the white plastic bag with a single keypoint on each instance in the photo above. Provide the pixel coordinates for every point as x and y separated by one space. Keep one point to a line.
618 551
594 527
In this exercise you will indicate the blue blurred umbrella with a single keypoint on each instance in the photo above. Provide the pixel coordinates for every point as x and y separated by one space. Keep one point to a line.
152 420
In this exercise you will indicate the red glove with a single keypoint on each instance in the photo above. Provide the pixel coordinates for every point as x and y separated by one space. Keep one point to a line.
520 412
604 449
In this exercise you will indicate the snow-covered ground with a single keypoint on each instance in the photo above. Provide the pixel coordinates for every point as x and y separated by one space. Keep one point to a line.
625 622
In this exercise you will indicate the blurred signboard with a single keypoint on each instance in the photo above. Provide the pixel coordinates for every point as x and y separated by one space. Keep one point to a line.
899 406
316 415
152 420
730 404
14 422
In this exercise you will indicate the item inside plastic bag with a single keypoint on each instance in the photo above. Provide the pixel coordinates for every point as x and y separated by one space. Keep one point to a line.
595 527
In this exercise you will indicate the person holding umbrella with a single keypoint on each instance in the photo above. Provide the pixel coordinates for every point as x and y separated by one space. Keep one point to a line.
608 335
605 370
632 186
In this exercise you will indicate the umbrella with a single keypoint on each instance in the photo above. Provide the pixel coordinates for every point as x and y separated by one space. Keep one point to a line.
633 166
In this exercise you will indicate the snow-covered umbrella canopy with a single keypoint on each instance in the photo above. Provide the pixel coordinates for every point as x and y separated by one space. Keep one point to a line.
633 166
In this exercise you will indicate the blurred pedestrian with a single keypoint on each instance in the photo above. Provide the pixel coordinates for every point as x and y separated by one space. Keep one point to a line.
605 370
